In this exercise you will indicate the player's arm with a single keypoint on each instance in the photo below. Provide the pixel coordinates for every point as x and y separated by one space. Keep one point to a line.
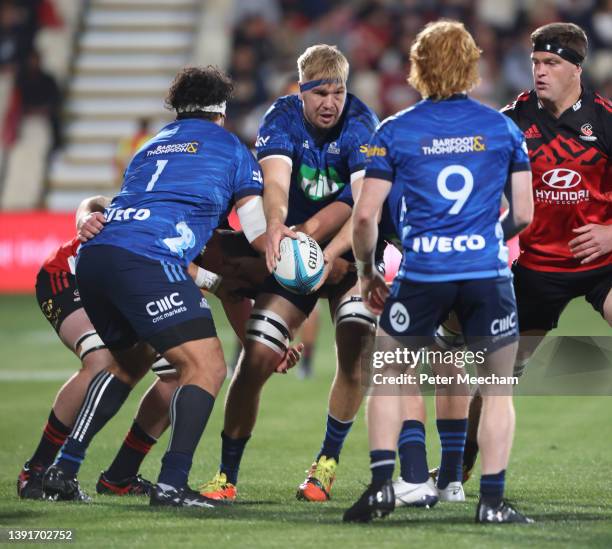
365 235
326 222
520 203
90 216
250 210
277 178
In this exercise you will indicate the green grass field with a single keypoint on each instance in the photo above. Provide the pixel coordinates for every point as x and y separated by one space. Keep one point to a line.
560 472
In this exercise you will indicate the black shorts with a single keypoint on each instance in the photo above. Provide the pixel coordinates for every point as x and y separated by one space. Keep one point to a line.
131 298
306 303
57 295
541 295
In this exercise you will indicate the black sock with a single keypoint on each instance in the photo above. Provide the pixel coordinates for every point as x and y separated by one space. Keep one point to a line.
53 437
135 447
190 409
105 395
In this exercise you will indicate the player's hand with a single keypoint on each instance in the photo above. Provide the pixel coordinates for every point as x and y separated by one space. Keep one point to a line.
374 291
274 234
291 358
90 225
592 242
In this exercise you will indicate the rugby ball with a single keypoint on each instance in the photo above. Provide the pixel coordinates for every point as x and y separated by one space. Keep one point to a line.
301 264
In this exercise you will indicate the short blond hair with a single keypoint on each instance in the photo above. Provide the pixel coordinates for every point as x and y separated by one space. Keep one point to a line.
444 60
323 62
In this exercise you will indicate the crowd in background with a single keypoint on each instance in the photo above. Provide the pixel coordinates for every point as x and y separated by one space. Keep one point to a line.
268 35
35 90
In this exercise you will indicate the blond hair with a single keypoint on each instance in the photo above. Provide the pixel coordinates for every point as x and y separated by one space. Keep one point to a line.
323 62
443 60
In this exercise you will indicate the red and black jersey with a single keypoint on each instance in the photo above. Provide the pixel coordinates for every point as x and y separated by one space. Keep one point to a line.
572 177
62 260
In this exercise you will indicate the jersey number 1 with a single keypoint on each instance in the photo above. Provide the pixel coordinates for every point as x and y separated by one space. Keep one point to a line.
161 164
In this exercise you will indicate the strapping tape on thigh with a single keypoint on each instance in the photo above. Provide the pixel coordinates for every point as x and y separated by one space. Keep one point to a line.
162 367
353 309
269 329
448 339
89 342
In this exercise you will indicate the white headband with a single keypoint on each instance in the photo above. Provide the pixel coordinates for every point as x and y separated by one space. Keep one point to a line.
219 108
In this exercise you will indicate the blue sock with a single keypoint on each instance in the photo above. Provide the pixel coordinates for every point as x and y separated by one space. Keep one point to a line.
412 452
452 438
382 463
231 456
175 469
492 488
335 433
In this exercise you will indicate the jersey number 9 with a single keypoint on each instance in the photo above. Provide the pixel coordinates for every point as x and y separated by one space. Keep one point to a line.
461 195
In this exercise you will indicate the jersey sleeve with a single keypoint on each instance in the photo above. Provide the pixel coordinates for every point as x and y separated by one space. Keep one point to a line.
519 160
358 145
248 179
274 136
378 161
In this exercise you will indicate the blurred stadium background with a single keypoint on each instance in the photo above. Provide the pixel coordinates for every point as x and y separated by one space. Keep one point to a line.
83 82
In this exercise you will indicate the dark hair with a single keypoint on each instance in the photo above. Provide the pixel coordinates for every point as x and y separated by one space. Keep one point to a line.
566 35
198 86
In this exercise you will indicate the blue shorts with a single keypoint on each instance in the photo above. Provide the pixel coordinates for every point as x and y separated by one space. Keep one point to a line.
131 298
486 309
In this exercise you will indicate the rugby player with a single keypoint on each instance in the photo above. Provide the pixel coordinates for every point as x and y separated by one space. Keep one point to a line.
565 252
311 149
452 179
134 285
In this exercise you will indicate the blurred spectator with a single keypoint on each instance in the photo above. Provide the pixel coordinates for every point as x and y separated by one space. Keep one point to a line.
127 147
18 26
39 94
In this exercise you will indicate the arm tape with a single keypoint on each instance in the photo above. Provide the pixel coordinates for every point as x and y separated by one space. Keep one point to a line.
252 218
207 280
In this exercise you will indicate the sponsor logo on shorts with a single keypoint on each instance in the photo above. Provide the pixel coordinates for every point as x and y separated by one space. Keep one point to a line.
204 303
454 145
504 325
445 244
77 296
165 307
190 147
399 317
120 214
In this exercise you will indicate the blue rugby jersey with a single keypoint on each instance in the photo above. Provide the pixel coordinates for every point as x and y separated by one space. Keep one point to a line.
451 160
321 168
177 189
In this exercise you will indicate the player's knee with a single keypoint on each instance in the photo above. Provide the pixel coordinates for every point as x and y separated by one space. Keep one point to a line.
268 336
258 364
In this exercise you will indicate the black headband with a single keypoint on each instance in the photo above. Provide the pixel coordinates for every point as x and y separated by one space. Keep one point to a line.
562 51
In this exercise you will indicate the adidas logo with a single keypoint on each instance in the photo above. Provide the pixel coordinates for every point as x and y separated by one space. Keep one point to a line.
532 132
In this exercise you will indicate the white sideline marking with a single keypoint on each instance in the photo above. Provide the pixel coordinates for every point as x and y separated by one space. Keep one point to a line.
35 375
